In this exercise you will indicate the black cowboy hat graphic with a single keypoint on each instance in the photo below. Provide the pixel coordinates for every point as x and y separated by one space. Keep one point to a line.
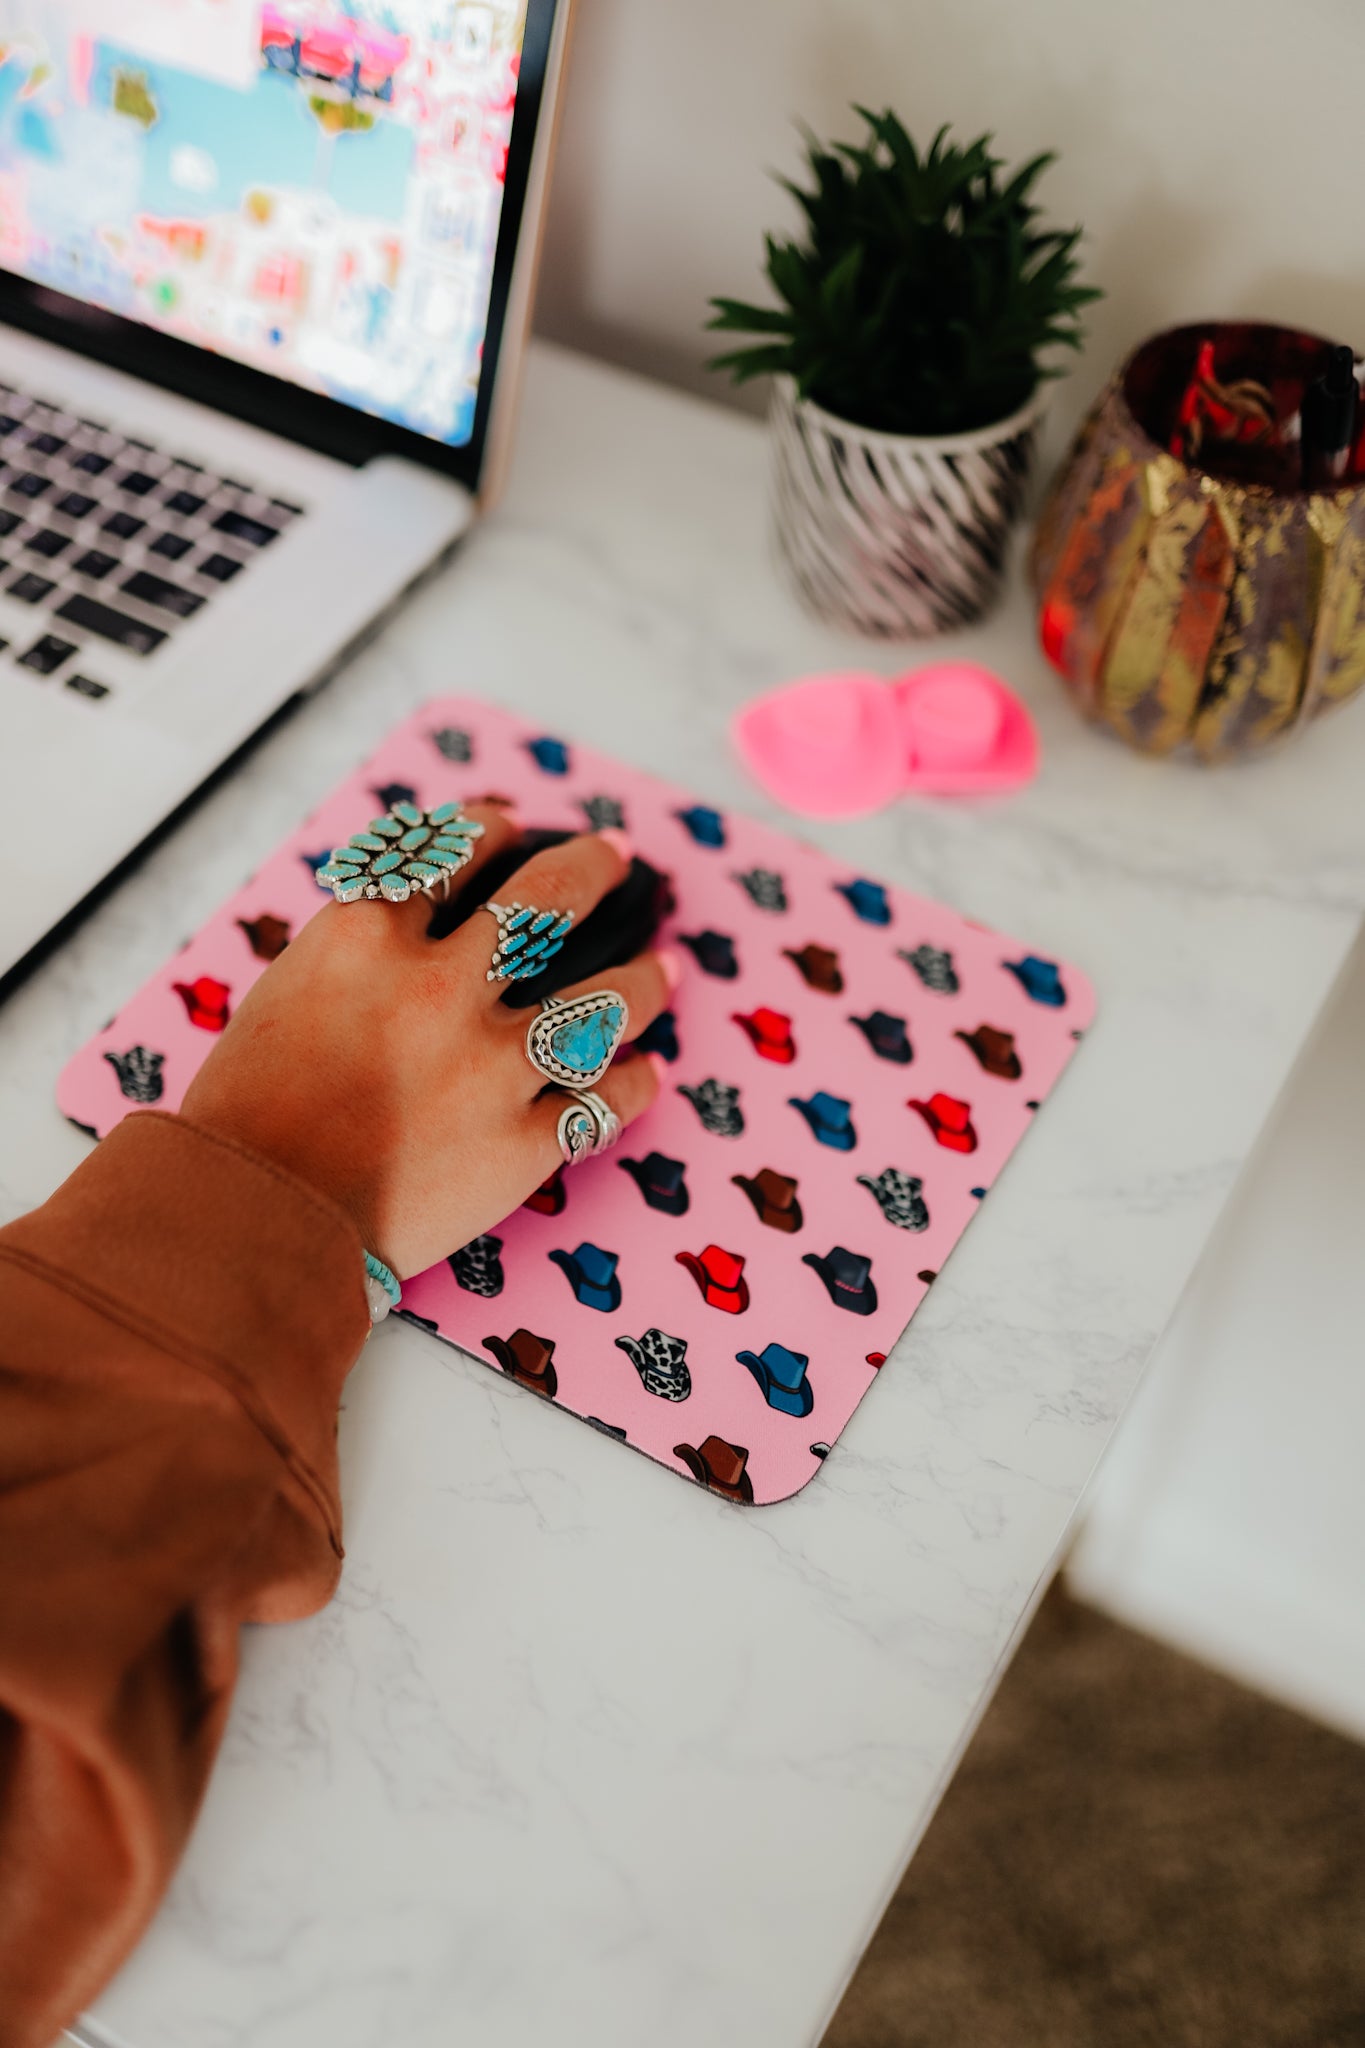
887 1036
661 1182
714 953
848 1279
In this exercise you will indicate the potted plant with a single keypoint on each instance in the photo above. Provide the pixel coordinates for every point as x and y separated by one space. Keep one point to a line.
907 357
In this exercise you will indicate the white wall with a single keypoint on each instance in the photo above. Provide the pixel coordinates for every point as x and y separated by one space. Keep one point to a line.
1213 149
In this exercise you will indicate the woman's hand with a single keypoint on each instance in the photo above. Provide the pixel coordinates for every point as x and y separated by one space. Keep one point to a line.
380 1066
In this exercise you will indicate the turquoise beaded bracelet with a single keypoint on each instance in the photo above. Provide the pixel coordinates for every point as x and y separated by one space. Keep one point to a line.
381 1288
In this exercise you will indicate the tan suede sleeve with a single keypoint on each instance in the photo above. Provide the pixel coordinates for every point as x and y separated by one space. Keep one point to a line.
175 1328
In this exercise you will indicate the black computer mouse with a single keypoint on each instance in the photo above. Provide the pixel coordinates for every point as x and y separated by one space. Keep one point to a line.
622 925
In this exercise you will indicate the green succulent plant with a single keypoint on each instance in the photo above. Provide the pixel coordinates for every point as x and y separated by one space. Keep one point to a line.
923 290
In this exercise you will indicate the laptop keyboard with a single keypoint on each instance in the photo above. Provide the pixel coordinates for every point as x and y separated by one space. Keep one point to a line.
114 544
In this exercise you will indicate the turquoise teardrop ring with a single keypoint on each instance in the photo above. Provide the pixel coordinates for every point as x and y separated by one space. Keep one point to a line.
404 853
573 1043
527 939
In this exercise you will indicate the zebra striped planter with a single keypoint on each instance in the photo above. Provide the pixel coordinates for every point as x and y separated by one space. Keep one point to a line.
896 535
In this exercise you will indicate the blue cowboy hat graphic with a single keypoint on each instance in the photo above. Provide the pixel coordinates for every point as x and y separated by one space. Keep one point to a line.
550 756
781 1375
706 826
591 1273
866 900
1041 980
660 1180
829 1119
887 1036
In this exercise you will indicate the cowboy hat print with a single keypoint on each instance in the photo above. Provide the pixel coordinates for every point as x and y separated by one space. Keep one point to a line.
769 1033
661 1362
717 1104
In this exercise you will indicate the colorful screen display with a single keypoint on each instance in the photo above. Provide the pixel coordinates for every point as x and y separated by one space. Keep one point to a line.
313 190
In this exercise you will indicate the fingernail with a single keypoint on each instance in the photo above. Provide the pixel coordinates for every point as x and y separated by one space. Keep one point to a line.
619 841
660 1066
670 966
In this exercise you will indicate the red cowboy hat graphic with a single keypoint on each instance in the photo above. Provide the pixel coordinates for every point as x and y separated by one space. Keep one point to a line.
205 1000
770 1034
949 1120
550 1197
720 1276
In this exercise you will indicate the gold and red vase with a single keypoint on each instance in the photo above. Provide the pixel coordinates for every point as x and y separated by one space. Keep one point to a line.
1192 592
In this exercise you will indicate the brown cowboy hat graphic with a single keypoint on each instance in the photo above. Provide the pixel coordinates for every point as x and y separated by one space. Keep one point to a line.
819 968
994 1051
526 1358
719 1467
774 1198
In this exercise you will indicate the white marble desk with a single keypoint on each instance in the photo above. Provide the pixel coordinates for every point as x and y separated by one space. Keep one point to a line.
581 1755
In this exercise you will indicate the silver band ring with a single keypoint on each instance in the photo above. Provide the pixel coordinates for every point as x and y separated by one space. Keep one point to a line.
404 853
571 1042
587 1126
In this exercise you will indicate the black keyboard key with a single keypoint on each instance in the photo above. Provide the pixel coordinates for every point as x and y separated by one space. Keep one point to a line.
47 655
95 564
172 547
167 597
8 424
221 568
31 589
186 503
87 686
46 542
8 522
239 527
92 464
137 483
109 624
48 444
30 485
123 525
75 505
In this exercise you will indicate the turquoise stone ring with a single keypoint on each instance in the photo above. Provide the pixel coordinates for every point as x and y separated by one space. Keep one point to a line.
527 939
573 1043
404 853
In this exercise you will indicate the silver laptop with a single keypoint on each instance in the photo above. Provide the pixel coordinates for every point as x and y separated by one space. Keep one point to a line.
265 275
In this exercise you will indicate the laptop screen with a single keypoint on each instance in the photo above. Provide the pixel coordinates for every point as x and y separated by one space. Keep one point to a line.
310 189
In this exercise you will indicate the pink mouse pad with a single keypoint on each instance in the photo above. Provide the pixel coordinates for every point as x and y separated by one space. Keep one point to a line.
849 1068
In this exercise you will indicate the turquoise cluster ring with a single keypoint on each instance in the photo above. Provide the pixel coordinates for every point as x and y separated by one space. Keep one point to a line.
527 939
572 1041
404 853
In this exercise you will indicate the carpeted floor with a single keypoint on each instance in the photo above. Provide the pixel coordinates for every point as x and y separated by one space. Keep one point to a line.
1136 1853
